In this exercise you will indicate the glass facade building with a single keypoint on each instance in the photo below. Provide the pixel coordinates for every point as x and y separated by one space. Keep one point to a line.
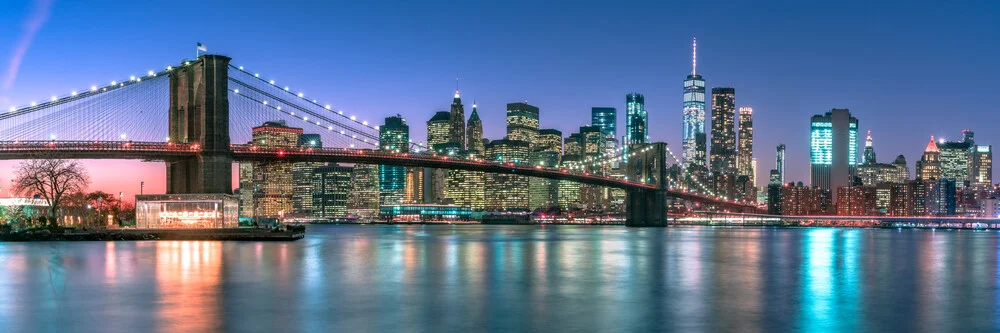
507 192
394 135
694 116
186 211
331 188
636 120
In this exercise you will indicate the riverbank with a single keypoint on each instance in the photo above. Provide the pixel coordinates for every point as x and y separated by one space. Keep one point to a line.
231 234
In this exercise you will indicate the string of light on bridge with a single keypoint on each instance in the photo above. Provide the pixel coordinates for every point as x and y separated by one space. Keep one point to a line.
304 118
316 103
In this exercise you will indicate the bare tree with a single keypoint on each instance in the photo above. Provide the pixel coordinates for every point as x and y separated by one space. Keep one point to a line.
51 179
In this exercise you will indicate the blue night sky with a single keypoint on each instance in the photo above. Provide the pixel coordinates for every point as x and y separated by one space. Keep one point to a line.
906 69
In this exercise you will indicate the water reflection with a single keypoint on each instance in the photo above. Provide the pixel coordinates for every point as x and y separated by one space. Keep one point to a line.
469 278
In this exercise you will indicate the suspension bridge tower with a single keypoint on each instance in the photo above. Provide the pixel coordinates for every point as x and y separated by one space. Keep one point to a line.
199 114
647 207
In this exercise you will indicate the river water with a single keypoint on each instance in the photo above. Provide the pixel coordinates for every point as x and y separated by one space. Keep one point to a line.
512 278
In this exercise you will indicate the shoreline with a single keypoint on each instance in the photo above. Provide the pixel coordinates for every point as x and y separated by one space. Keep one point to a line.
229 234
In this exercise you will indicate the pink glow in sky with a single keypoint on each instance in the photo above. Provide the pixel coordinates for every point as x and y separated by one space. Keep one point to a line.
111 176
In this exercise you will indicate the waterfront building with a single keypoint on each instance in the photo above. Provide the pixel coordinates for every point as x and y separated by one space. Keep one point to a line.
857 201
941 198
247 189
363 198
569 191
439 135
273 182
507 192
900 199
522 122
394 135
457 121
798 199
833 149
331 189
722 156
425 213
929 165
780 163
413 193
302 175
693 133
544 193
744 159
636 120
918 196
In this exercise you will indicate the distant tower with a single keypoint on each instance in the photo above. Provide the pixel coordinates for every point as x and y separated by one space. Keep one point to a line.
457 120
694 114
474 132
722 155
869 154
636 121
745 152
929 165
779 163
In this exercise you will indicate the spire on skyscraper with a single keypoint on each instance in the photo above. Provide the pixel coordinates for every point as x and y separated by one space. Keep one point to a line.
694 56
868 140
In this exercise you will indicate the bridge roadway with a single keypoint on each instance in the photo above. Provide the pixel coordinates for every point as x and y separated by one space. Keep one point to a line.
168 151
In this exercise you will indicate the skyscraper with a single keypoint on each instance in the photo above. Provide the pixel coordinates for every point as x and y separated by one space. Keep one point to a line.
982 165
522 122
363 198
869 155
956 159
439 129
394 135
744 161
636 121
439 134
273 182
302 174
780 163
457 120
694 113
833 142
723 150
606 119
929 165
474 132
331 188
506 191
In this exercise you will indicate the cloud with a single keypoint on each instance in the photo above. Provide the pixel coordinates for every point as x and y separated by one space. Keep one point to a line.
35 21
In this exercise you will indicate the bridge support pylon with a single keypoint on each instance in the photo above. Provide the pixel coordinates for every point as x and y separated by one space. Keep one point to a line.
199 113
647 207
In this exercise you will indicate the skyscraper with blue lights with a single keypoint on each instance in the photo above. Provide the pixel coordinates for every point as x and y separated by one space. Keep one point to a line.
694 115
833 150
636 121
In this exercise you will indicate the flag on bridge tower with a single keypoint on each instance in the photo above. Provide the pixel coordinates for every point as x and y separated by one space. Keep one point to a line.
201 48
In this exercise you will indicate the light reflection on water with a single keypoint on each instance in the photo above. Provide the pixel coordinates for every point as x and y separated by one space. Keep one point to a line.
512 278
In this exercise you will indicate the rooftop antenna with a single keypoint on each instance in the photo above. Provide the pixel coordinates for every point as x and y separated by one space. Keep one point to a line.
456 87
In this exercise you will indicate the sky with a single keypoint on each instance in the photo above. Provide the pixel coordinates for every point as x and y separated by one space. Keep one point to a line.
906 69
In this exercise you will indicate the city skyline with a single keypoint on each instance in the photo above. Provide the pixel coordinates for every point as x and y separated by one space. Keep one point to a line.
563 108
